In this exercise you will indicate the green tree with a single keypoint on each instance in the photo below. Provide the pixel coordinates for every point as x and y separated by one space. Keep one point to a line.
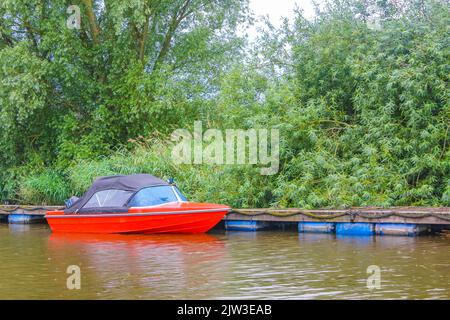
133 68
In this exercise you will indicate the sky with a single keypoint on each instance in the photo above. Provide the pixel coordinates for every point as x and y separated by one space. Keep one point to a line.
276 10
281 8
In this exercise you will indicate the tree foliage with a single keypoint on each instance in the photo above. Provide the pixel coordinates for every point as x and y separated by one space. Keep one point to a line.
360 94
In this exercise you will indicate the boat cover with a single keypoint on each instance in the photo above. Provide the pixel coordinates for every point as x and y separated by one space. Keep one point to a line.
131 183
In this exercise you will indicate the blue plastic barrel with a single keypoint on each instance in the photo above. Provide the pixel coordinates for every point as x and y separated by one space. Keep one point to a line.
316 227
20 218
246 225
399 229
356 229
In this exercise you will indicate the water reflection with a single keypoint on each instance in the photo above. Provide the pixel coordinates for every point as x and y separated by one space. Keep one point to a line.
19 228
158 265
262 265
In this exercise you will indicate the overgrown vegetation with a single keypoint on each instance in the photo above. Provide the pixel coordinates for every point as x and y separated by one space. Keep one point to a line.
360 94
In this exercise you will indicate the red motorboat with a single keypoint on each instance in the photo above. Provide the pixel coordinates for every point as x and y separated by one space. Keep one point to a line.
139 203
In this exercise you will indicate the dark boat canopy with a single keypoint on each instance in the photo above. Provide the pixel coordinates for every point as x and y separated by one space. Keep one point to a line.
120 188
133 182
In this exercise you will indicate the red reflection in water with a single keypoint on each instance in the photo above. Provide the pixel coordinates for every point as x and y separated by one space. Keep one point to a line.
174 239
138 245
140 261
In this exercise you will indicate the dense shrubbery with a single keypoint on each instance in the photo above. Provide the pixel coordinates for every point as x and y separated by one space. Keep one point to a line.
226 184
361 97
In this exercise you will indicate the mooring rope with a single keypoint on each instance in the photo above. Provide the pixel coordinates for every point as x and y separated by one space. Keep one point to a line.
352 213
25 208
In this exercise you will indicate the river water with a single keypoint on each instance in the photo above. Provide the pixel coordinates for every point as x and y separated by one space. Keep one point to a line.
221 265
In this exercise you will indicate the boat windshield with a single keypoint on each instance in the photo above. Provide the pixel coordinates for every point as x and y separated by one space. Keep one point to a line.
156 195
108 198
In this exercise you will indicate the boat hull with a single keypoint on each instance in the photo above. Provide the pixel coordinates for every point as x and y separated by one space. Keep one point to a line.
138 221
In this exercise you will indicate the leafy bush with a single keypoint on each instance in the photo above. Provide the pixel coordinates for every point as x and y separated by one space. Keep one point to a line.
47 187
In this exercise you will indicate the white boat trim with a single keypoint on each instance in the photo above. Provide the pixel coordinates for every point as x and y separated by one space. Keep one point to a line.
156 205
143 214
176 194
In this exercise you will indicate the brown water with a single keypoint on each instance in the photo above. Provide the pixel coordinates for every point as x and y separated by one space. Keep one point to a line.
235 265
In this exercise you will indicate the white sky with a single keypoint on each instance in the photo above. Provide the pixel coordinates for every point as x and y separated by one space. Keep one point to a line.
276 9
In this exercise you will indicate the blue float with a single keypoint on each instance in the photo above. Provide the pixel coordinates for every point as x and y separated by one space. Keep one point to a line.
316 227
354 229
246 225
399 229
20 218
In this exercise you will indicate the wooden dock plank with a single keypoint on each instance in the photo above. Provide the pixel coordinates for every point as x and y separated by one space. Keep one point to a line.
30 210
417 215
